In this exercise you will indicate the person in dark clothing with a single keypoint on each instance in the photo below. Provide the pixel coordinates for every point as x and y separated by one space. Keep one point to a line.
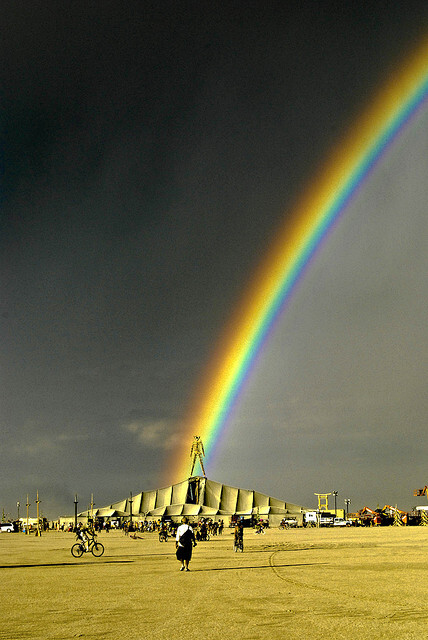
184 542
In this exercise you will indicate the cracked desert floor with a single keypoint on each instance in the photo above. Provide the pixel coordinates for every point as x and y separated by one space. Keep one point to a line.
349 583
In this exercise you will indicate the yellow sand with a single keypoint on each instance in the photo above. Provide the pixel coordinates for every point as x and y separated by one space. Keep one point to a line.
316 583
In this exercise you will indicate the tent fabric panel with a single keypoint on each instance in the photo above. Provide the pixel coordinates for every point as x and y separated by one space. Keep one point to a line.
120 506
191 509
229 499
273 502
85 514
245 500
293 508
148 501
174 510
106 512
163 497
277 510
158 512
261 511
260 499
212 494
179 492
136 503
208 511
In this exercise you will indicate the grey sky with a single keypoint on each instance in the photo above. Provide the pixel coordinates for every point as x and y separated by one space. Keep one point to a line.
149 155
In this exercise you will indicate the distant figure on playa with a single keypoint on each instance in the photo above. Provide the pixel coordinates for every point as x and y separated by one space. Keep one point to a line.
238 541
197 452
184 543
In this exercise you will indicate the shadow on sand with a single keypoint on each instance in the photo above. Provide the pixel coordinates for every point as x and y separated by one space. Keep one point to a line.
76 563
263 566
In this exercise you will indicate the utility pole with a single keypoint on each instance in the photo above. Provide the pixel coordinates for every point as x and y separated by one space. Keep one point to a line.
38 531
347 502
28 505
92 508
335 497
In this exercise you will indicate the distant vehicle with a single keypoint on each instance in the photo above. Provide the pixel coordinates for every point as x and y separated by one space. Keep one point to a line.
7 527
310 518
318 518
341 522
326 519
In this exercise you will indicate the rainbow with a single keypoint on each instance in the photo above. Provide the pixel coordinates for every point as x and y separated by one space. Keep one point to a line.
313 217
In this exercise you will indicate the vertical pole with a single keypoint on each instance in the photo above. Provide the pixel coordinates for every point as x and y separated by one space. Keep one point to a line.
28 506
92 508
347 502
130 509
75 512
38 532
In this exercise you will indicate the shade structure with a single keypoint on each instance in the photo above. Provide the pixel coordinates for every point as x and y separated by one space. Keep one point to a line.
111 513
104 512
200 497
174 510
159 512
208 511
191 509
87 513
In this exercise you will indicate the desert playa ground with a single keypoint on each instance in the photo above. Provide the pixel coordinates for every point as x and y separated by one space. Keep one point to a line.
324 583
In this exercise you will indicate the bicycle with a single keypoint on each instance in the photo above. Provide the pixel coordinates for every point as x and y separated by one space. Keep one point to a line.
79 548
163 536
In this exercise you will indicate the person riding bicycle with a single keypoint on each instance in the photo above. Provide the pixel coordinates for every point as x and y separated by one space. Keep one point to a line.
260 527
85 533
163 533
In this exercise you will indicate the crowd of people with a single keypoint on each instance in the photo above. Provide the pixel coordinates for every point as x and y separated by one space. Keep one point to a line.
203 528
186 534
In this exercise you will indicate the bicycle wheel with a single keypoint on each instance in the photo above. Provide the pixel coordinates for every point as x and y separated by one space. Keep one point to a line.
77 550
97 549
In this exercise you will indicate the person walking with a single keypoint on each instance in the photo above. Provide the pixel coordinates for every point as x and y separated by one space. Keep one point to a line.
184 543
238 542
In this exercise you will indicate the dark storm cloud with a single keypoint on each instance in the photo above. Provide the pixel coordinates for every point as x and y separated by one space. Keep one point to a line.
149 153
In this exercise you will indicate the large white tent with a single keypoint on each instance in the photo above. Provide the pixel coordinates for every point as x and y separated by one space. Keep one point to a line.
200 497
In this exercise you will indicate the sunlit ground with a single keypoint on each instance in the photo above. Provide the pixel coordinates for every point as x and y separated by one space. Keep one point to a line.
359 583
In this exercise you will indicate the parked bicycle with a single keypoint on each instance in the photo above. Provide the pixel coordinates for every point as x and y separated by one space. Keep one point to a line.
79 548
